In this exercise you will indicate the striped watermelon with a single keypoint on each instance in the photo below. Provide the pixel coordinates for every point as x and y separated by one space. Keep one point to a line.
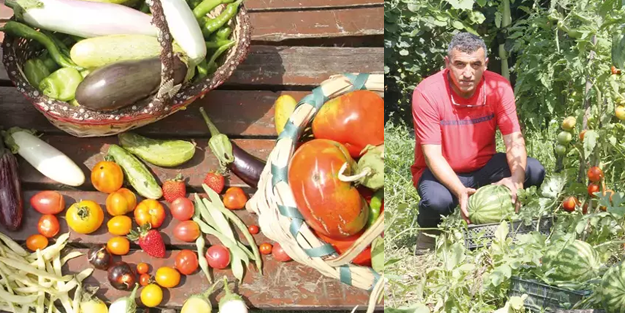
575 262
490 204
613 289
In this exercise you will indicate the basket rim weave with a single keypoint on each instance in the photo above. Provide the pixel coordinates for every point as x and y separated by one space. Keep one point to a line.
275 206
138 114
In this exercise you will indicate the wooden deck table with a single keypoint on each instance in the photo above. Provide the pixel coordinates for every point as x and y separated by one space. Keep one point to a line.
296 45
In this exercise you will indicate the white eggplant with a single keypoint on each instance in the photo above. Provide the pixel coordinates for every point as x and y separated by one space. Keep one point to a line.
45 158
231 302
83 18
185 30
125 304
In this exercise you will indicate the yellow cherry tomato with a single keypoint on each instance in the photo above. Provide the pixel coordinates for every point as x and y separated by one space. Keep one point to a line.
107 176
118 245
84 217
119 225
167 277
151 295
121 202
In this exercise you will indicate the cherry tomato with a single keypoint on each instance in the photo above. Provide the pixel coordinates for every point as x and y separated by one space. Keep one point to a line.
119 225
144 279
187 231
186 262
218 256
568 204
151 295
265 248
279 254
182 209
150 211
592 188
107 176
167 277
121 202
48 225
235 198
48 202
595 174
253 229
118 245
581 135
36 241
142 268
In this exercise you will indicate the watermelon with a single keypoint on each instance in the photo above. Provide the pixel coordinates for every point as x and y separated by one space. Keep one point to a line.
490 204
571 262
613 289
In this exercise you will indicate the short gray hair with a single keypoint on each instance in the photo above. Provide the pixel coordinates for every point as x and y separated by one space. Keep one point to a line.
467 42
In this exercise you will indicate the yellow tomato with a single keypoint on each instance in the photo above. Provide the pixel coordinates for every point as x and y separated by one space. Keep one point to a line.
118 245
107 176
121 202
151 295
119 225
620 112
84 217
167 277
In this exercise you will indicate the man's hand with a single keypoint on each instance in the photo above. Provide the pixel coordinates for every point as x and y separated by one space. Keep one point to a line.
463 201
514 189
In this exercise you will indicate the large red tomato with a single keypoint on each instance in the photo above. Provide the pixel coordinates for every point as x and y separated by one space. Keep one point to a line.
329 205
355 119
341 245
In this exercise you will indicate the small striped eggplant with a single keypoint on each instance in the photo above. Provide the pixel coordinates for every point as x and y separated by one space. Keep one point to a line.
11 203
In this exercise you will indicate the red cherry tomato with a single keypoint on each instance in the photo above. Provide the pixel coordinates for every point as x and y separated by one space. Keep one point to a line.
279 253
142 268
144 279
48 225
595 174
186 262
569 204
182 209
218 256
265 248
235 198
253 229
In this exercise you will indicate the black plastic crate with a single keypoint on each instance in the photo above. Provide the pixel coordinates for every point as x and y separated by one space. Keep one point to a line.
477 236
545 298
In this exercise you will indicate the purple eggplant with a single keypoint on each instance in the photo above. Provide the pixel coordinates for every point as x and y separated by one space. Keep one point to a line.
11 202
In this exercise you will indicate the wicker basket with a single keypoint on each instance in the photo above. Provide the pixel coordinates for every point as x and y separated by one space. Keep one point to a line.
275 206
84 122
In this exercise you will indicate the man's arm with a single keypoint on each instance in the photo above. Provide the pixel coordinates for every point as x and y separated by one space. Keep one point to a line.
517 157
445 175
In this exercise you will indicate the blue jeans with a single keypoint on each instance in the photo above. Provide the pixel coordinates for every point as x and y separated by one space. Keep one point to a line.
437 200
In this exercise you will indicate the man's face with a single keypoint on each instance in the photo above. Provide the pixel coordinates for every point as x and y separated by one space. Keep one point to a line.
466 69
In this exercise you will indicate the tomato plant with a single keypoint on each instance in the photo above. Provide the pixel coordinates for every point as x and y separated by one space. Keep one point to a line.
150 211
84 217
182 209
218 256
48 202
187 231
167 277
48 225
36 241
119 225
235 198
265 248
186 262
107 176
121 202
118 245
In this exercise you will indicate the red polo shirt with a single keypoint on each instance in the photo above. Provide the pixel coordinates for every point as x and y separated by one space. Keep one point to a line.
466 134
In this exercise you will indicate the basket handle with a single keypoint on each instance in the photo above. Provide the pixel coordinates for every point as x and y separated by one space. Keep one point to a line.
167 89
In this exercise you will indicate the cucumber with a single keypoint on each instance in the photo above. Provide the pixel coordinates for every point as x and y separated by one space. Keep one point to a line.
100 51
166 153
136 173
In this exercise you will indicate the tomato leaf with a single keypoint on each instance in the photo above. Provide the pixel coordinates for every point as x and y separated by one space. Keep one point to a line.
590 141
377 254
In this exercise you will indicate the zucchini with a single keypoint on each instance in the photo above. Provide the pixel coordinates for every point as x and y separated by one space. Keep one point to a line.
136 173
166 153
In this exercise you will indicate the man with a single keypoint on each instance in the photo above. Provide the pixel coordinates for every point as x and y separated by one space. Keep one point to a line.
456 113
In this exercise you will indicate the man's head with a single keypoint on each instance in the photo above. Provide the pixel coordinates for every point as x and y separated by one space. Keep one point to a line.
466 60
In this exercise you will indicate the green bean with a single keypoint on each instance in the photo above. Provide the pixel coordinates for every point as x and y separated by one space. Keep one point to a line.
215 23
18 29
200 242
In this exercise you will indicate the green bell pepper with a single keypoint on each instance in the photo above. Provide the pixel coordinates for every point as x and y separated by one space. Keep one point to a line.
377 201
35 70
61 84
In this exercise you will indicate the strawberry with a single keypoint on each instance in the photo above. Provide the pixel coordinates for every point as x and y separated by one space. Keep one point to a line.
174 189
149 240
215 181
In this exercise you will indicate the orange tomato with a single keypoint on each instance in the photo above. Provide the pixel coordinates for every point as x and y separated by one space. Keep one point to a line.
118 245
150 211
167 277
48 225
119 225
121 202
36 241
235 198
265 248
107 176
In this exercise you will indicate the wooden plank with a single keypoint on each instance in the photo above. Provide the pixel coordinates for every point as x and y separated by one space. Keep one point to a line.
86 152
101 236
275 66
270 5
287 285
239 113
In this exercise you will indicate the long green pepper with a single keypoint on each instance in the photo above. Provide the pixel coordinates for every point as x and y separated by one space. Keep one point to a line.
18 29
212 25
208 5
